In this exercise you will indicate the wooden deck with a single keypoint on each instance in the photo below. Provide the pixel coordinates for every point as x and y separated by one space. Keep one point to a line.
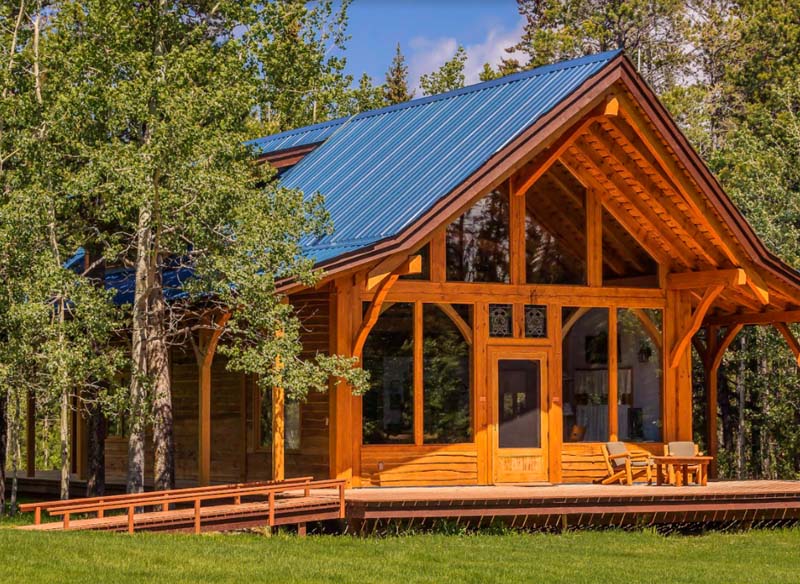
562 506
526 506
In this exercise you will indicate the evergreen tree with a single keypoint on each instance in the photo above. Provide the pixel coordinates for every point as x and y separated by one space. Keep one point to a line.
450 75
395 90
652 32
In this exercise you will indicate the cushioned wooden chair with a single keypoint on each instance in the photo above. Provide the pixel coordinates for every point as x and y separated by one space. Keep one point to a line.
624 467
683 448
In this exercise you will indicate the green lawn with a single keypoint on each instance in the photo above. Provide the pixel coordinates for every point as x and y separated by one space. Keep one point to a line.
611 556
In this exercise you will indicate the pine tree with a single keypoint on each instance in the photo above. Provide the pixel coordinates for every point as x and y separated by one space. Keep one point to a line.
395 90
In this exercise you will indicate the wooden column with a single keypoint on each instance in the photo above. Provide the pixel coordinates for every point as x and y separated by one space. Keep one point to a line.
418 383
480 380
30 428
594 239
613 375
204 353
278 434
555 413
343 299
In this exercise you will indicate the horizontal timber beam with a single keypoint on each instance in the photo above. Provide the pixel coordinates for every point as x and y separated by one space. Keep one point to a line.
744 318
695 280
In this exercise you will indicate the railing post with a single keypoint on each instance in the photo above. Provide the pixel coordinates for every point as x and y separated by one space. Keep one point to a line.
271 508
130 519
197 515
341 501
66 521
101 512
37 516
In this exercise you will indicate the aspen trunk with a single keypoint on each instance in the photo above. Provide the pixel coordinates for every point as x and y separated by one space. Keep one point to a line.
96 481
740 392
16 451
3 450
64 443
163 436
139 363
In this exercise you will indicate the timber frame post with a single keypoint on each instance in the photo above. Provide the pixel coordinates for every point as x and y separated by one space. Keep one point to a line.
204 351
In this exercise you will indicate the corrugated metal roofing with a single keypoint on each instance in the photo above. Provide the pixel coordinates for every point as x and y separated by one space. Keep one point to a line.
381 170
299 137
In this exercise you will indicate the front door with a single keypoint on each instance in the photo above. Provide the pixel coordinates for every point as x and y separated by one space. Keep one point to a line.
518 378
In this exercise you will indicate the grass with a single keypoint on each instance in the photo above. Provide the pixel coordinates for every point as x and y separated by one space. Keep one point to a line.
587 556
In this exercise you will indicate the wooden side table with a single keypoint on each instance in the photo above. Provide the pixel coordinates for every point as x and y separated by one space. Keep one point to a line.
681 465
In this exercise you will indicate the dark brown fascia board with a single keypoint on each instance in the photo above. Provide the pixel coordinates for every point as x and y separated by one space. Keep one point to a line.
289 156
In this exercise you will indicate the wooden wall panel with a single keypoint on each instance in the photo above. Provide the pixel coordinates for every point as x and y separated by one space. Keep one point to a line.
227 439
396 465
184 407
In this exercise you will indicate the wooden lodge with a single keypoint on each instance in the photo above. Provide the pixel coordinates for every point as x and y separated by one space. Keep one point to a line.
522 265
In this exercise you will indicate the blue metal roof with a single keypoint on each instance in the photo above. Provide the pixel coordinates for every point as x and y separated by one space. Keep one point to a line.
381 170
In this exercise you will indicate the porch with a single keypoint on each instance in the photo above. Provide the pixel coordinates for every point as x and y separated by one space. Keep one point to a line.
563 506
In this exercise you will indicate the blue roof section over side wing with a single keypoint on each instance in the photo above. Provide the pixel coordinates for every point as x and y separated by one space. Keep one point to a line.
293 138
381 170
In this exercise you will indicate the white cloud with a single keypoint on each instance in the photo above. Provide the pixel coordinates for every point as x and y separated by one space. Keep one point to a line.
428 54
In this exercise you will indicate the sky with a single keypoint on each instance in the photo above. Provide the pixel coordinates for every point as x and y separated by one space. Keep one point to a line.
429 32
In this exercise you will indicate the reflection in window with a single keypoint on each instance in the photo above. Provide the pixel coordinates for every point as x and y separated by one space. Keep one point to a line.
625 262
477 242
585 374
446 375
555 230
639 393
388 406
291 422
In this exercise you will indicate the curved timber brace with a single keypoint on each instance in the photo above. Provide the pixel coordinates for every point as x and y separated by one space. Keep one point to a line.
384 280
713 283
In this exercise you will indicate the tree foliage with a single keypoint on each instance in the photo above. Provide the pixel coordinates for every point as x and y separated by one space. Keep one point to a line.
448 77
395 90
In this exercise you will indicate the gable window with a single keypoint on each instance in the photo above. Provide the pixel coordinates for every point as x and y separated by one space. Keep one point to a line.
625 262
478 241
555 230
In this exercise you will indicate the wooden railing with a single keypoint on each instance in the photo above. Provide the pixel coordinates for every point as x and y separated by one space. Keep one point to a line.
139 502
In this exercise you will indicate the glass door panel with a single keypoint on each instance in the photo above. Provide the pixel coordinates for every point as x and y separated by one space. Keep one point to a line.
519 403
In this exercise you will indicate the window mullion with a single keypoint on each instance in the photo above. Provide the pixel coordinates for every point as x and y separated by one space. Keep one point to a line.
418 379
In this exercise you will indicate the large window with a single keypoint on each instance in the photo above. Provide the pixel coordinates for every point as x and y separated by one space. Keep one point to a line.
639 394
555 230
587 361
585 374
446 374
388 356
445 383
477 242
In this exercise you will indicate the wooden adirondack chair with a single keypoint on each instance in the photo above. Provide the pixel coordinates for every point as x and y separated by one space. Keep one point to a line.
623 467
